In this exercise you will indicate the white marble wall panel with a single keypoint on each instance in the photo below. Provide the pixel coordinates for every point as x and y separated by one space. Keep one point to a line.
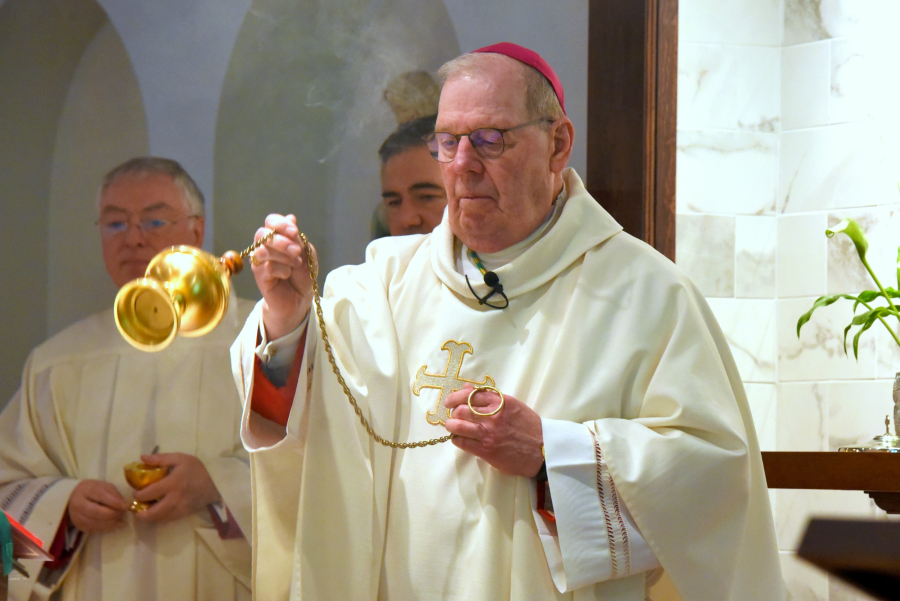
755 23
861 82
726 172
811 20
754 256
763 400
805 85
729 87
802 416
888 352
808 20
818 354
839 166
801 257
749 327
856 411
803 581
704 246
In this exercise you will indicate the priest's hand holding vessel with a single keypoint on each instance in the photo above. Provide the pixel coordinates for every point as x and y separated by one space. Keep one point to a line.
140 475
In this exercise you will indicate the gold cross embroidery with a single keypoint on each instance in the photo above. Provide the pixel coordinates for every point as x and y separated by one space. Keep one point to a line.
448 382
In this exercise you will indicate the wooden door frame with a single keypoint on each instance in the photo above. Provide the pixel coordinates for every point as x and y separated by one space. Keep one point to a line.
631 117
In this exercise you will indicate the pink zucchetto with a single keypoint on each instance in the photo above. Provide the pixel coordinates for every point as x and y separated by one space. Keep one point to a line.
532 59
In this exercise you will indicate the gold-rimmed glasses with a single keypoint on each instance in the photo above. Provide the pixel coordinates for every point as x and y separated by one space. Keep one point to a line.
488 142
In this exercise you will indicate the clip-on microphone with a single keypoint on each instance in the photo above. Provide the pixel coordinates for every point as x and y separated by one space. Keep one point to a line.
492 280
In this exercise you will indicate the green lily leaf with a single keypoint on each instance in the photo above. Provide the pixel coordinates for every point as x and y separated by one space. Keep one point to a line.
867 296
866 320
852 229
822 301
857 320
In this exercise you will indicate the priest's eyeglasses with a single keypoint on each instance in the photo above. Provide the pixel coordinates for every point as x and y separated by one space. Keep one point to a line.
153 226
488 142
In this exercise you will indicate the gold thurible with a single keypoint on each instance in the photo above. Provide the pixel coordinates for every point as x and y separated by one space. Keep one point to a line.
184 291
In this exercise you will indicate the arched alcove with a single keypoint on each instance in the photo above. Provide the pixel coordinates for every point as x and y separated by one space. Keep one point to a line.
102 123
50 53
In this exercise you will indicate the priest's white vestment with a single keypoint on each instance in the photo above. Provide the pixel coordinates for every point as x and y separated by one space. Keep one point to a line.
89 404
603 334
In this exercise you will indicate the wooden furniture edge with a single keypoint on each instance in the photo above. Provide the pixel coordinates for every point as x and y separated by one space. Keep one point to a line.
833 470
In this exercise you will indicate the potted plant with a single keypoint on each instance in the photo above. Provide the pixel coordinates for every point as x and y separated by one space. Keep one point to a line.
869 306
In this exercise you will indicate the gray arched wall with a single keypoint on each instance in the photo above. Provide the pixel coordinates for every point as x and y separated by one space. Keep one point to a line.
41 48
180 50
101 124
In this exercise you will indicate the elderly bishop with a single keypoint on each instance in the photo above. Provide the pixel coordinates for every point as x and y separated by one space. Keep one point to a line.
587 427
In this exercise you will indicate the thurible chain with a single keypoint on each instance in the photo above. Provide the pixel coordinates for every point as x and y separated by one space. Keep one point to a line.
257 244
313 274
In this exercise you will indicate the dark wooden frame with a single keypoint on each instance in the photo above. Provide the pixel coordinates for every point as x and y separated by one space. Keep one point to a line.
631 118
861 552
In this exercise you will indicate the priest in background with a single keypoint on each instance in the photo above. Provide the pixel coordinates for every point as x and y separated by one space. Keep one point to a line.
412 187
90 403
600 431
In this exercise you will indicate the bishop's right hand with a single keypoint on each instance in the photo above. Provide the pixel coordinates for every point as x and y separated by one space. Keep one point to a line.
281 270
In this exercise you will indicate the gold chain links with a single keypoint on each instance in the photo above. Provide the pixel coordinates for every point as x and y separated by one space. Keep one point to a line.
314 273
257 244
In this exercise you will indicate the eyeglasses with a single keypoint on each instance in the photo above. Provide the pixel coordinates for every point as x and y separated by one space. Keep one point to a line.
488 142
149 227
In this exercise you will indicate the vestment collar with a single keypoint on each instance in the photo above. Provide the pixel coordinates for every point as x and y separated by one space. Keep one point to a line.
582 225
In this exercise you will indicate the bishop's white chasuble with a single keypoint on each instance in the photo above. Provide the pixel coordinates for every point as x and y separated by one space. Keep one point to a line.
89 405
601 332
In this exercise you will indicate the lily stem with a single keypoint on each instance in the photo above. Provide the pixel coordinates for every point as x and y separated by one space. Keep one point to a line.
886 296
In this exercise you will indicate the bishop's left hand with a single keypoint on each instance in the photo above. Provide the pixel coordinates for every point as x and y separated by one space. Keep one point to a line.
186 489
510 440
